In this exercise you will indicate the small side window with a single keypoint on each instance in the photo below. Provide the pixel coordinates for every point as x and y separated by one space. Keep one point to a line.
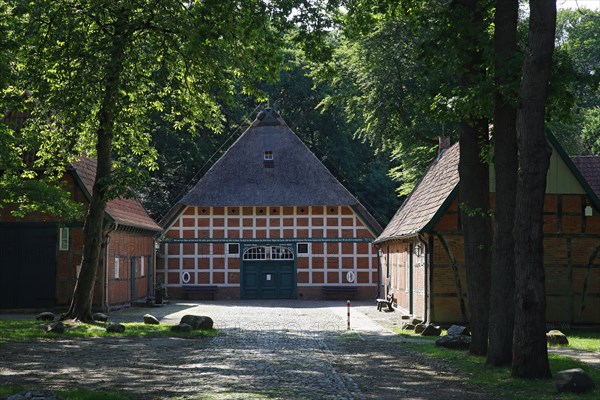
117 268
268 155
63 234
302 248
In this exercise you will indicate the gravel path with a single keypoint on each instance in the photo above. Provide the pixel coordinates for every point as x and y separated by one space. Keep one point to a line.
264 350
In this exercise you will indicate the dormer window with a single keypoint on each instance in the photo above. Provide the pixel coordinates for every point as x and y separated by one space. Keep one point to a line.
268 159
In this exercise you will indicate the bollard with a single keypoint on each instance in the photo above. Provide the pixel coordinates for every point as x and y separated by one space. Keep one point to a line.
348 303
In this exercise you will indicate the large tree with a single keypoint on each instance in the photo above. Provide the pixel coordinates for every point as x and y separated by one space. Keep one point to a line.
99 68
506 78
418 71
474 190
530 353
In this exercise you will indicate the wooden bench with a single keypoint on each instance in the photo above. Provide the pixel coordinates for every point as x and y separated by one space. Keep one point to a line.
339 292
199 292
385 302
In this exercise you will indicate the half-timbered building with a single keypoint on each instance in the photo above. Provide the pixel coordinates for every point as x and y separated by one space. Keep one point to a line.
268 220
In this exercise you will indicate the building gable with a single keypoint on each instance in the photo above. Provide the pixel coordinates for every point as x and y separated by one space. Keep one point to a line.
439 187
269 165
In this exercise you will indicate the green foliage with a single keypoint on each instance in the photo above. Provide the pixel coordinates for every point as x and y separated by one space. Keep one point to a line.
354 161
574 115
397 74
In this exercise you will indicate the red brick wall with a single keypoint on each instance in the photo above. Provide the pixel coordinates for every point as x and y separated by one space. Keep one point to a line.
327 263
129 249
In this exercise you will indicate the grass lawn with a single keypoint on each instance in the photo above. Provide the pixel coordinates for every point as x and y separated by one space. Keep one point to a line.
499 380
70 394
25 330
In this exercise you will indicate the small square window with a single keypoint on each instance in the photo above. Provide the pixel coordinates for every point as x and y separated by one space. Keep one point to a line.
302 248
268 155
233 249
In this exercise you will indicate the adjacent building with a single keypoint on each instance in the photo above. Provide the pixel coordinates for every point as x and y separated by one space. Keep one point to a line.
422 255
40 256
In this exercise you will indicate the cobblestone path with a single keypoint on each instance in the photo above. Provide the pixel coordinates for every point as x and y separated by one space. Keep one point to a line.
264 350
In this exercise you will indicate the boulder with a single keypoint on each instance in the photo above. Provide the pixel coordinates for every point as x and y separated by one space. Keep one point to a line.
197 321
420 328
183 327
100 317
45 316
574 380
407 326
151 320
458 330
456 342
56 327
416 321
431 330
555 337
115 328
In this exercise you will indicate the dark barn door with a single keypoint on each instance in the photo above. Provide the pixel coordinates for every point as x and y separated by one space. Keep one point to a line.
268 272
27 267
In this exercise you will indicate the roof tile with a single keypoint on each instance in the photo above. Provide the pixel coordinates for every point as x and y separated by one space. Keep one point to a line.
427 198
128 212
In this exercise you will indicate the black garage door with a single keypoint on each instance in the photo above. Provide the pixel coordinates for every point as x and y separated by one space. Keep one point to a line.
27 266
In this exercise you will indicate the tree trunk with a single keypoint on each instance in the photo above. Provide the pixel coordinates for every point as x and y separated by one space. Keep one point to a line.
474 190
474 197
81 305
505 160
530 353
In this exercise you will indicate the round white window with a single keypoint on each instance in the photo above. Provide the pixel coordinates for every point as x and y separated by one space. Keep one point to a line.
350 276
185 277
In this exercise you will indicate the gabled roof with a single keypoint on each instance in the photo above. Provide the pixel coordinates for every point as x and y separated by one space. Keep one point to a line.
589 166
428 200
294 177
127 212
439 186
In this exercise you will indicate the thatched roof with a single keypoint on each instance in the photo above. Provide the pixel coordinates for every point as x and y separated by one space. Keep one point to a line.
294 177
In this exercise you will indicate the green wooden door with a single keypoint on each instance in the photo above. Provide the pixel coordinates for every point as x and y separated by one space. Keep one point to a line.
266 278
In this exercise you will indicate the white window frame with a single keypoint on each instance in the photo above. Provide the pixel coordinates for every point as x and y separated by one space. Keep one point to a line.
63 239
230 253
304 253
268 253
268 155
117 268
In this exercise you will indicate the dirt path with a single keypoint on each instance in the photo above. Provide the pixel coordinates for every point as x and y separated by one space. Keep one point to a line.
282 350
